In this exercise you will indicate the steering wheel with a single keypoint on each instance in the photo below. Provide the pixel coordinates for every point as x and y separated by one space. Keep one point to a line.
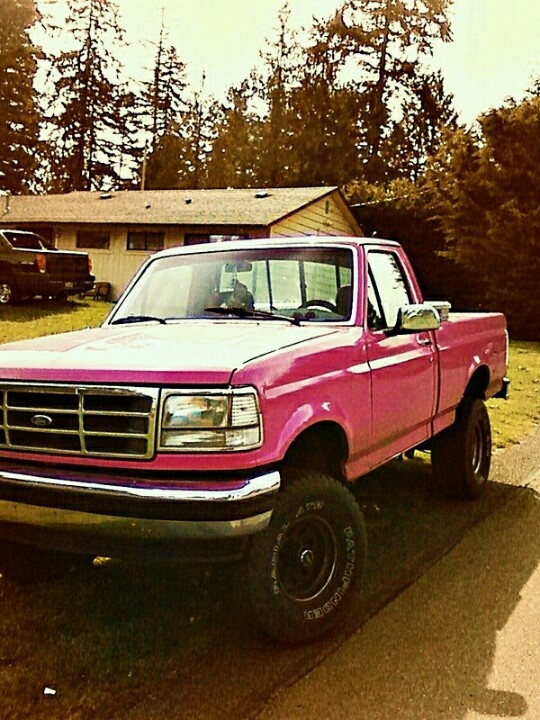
321 304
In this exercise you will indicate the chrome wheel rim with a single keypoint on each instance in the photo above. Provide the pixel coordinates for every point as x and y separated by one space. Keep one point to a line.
5 293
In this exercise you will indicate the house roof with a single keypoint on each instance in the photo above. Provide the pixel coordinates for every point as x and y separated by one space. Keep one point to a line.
163 207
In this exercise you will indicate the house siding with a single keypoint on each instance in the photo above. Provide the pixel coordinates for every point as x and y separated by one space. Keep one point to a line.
117 264
324 217
279 212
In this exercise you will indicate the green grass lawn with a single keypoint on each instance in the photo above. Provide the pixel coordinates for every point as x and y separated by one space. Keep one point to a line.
520 414
511 420
36 318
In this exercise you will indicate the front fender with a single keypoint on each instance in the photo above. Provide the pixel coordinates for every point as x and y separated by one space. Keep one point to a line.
311 415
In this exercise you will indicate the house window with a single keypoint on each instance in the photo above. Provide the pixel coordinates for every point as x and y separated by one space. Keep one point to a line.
96 239
197 238
145 240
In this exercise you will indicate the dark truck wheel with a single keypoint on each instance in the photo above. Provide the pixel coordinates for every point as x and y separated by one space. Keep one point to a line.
461 454
303 569
27 564
7 293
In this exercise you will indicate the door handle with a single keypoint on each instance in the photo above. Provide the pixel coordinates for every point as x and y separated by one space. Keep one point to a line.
424 341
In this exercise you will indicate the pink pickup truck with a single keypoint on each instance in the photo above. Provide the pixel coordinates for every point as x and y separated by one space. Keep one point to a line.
224 408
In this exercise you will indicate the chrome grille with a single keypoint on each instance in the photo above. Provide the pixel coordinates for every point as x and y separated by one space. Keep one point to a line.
98 421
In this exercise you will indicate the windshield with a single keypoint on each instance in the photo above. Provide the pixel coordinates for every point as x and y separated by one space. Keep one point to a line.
303 283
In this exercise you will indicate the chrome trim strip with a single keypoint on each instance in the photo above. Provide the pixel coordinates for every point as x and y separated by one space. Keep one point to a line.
253 487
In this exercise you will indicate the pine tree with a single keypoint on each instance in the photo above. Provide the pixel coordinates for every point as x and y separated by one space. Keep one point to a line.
387 39
326 115
179 157
275 162
234 158
163 101
87 102
428 113
161 110
484 188
19 115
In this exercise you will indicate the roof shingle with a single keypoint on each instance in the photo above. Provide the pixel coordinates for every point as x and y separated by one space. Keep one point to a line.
164 207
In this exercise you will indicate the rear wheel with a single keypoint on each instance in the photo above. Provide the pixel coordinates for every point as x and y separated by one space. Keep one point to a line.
304 568
7 292
461 454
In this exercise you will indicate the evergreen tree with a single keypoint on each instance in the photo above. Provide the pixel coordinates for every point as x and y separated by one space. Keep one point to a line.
234 158
326 116
274 85
301 120
179 158
387 39
87 101
163 99
485 190
19 115
161 111
428 112
288 123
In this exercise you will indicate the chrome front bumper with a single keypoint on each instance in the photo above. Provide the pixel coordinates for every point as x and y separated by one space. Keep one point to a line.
38 509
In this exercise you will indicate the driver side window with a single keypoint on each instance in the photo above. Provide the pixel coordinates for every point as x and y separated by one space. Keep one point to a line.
387 290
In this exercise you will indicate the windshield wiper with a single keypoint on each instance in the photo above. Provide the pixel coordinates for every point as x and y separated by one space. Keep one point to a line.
246 313
138 319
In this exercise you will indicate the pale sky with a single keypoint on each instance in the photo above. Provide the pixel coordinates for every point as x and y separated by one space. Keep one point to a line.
495 53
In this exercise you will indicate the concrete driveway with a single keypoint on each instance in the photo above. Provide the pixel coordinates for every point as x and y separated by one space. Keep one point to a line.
462 642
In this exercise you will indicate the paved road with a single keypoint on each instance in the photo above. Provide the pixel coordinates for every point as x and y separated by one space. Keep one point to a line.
463 642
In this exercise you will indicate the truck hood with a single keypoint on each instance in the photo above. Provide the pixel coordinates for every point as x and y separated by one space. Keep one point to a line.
191 351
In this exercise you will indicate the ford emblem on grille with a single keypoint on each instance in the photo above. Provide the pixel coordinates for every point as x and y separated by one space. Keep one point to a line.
41 421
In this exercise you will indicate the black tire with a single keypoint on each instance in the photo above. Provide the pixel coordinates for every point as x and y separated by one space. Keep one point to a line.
7 292
26 564
461 454
303 570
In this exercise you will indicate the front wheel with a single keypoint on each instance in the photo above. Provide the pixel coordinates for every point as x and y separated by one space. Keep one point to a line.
304 568
461 454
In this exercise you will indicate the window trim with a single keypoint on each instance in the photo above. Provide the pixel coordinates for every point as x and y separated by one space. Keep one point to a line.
147 234
92 245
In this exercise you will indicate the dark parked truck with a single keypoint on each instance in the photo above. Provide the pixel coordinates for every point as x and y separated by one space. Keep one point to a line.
227 404
31 266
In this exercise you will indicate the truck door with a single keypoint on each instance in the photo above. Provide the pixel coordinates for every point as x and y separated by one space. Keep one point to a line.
403 367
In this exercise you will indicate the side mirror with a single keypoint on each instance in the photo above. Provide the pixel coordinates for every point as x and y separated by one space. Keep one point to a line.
418 318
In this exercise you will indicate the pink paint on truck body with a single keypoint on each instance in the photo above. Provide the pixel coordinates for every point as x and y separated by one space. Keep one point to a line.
222 370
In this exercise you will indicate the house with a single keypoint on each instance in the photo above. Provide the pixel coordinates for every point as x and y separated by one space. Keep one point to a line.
121 229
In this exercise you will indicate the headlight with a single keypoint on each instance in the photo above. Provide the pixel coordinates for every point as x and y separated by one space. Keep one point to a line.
211 421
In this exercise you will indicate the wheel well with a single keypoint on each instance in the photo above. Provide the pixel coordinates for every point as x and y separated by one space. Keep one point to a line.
322 447
478 384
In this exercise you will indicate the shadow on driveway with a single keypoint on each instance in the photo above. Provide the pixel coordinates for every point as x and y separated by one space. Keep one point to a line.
148 642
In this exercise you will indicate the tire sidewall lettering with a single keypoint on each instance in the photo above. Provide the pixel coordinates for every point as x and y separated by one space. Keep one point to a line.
284 609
